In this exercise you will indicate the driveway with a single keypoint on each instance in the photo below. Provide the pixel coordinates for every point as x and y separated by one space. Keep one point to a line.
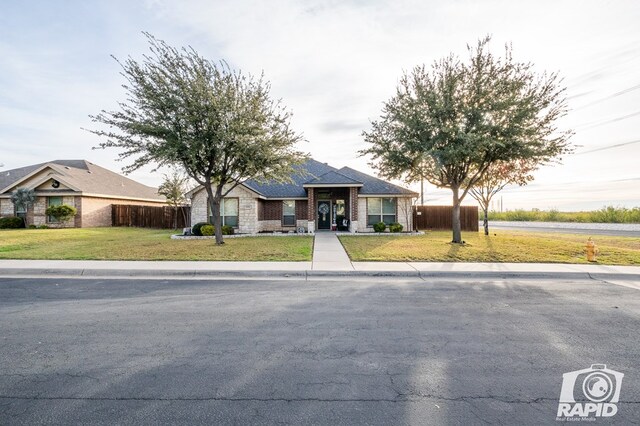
315 352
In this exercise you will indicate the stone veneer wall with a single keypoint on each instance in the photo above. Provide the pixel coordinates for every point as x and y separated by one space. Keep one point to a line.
247 214
256 215
401 217
6 208
40 218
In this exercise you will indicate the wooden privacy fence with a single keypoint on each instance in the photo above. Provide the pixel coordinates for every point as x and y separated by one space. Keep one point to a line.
150 217
439 217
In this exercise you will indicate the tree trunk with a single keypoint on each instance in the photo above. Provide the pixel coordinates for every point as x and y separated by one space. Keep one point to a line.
175 217
485 222
455 220
184 215
214 202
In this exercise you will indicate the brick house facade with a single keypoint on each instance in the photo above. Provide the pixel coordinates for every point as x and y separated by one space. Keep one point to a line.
320 197
89 188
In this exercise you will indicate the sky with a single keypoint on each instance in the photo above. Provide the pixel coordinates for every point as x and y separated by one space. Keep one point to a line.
333 64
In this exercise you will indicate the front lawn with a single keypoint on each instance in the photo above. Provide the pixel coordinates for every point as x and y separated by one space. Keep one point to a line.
145 244
501 246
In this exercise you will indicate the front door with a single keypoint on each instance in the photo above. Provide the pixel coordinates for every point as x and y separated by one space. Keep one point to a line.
324 214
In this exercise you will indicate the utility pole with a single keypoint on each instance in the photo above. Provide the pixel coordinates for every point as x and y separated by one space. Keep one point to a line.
422 190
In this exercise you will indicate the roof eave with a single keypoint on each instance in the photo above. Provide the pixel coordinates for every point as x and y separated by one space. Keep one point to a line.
122 197
332 185
190 194
406 194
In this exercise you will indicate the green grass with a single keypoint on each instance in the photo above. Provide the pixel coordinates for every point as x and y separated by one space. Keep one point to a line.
500 246
145 244
607 214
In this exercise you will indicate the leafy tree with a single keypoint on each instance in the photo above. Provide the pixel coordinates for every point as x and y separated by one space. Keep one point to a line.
23 198
451 122
218 124
174 188
62 212
496 178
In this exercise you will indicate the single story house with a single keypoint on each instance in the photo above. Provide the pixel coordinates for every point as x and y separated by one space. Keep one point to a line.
89 188
320 197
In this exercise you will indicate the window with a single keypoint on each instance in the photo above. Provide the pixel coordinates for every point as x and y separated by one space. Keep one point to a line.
228 212
21 212
381 210
289 213
53 201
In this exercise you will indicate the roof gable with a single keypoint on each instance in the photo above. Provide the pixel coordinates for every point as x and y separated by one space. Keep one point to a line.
82 176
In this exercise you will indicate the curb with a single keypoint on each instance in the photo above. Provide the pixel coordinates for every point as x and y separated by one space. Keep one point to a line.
168 274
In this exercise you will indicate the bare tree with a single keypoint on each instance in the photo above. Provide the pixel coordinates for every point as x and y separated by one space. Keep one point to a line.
497 177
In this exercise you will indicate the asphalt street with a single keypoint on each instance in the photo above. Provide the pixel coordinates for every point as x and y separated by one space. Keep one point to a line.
565 228
369 351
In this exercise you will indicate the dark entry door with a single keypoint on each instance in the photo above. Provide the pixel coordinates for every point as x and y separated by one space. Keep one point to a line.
324 214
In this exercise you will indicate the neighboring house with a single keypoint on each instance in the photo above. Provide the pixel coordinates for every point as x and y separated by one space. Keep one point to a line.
319 198
89 188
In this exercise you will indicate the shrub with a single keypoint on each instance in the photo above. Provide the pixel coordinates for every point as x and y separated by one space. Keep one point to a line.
227 230
552 215
610 214
207 230
32 226
11 222
395 227
62 213
379 227
523 215
195 230
43 227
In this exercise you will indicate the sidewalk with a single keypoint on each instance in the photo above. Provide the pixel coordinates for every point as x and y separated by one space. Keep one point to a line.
422 270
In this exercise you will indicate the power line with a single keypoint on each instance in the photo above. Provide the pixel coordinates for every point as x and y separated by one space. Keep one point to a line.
606 98
602 123
618 145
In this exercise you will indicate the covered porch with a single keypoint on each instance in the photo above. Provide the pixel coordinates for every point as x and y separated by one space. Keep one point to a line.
332 203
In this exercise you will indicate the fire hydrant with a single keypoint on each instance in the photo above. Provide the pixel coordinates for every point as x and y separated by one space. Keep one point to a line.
592 250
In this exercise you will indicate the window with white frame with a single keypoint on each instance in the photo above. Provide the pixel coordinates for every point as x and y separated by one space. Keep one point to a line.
228 212
381 210
289 213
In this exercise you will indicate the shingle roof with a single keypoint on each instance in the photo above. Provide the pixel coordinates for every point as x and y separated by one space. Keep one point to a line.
88 178
7 177
333 178
305 172
313 172
374 186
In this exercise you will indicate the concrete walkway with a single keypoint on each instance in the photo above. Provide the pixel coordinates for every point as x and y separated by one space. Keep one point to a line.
328 253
